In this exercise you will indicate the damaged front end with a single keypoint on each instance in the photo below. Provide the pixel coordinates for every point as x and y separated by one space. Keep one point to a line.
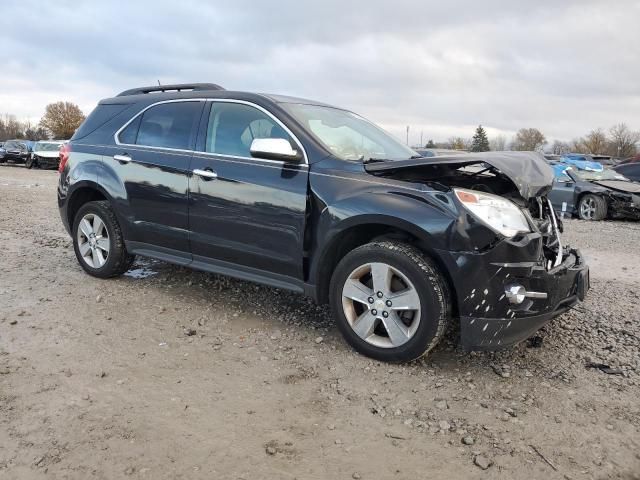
508 281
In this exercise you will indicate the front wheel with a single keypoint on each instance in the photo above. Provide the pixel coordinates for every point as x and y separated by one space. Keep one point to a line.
98 241
389 301
592 207
29 163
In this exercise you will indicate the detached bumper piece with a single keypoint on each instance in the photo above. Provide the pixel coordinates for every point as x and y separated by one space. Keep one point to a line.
500 304
564 286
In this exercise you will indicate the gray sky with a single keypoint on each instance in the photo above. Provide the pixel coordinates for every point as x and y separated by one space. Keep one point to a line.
562 66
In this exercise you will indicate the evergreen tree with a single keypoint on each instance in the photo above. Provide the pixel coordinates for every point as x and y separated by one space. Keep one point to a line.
430 144
480 142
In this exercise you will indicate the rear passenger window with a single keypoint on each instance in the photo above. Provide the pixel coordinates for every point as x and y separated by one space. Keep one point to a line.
233 126
168 125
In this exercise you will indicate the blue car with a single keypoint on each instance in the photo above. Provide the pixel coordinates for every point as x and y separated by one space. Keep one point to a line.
582 162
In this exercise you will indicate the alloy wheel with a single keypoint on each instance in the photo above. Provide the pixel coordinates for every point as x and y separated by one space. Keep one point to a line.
588 208
93 240
381 305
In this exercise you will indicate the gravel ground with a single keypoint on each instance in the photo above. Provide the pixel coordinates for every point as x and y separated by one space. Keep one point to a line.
171 373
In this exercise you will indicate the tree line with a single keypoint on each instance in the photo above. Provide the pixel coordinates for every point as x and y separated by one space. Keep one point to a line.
60 121
618 141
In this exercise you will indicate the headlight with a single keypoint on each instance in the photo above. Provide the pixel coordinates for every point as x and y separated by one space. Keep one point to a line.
498 213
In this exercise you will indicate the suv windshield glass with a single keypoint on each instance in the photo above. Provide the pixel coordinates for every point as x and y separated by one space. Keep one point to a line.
347 135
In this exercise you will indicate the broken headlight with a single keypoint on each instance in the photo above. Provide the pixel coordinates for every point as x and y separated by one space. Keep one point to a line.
498 213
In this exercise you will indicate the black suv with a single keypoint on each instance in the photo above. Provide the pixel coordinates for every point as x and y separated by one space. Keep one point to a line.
300 195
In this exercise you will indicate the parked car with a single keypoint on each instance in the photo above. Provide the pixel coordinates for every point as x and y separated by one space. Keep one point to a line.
581 161
312 198
630 170
552 157
46 154
438 152
634 159
17 151
2 151
593 195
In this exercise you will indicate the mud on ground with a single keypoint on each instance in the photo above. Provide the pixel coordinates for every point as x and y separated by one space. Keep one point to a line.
171 373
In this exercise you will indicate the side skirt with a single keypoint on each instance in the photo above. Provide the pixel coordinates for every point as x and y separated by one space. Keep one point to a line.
206 264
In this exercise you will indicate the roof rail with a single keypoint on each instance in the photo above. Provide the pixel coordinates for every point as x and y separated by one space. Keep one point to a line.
193 87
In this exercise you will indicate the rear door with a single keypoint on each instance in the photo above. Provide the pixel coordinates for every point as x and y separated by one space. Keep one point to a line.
152 158
250 212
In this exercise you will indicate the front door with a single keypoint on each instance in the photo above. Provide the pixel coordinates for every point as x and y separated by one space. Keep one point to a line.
562 195
152 160
245 211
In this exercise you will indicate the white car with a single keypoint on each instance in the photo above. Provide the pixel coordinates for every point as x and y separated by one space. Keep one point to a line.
46 154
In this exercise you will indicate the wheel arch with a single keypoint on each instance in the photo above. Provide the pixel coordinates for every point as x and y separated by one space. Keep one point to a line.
84 192
362 230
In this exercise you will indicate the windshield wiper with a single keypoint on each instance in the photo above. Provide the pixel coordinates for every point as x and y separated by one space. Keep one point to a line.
373 160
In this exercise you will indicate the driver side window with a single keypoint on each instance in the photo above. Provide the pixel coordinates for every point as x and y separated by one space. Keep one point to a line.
233 126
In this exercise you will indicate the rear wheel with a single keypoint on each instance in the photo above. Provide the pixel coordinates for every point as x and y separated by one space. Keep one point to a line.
592 207
389 301
98 241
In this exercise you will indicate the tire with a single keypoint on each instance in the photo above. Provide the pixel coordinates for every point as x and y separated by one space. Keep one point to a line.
108 242
29 163
411 271
592 207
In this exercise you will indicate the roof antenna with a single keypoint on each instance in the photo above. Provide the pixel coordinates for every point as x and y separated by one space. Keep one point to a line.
159 84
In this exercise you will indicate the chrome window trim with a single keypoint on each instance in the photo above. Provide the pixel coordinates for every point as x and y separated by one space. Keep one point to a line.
212 100
198 153
254 161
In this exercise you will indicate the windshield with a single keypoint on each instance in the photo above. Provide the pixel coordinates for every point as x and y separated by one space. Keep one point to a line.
605 174
47 147
347 135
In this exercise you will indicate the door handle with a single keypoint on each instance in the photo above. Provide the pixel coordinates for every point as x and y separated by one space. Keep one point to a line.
122 158
206 174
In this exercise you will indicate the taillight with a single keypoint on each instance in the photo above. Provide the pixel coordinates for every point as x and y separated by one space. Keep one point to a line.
64 156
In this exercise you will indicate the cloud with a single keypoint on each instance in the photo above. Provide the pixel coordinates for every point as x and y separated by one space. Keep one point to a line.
440 67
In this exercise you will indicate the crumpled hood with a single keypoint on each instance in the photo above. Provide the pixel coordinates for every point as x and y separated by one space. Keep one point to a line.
529 171
47 154
619 185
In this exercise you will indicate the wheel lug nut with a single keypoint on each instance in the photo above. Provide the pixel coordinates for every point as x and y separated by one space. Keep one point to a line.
385 314
389 303
374 312
370 299
379 294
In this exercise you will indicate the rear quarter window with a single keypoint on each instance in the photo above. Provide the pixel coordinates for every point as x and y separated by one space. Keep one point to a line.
100 115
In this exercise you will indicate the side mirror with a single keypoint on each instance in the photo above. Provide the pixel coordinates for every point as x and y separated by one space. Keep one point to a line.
274 149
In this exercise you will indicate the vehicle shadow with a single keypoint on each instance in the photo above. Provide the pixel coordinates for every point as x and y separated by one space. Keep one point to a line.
277 309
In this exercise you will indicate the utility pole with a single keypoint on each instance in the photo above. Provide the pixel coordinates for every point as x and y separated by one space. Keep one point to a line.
421 141
407 135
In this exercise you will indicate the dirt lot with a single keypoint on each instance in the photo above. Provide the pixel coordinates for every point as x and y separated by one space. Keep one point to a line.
170 373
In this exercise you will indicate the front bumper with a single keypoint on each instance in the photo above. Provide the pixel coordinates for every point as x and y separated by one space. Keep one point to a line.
488 320
47 162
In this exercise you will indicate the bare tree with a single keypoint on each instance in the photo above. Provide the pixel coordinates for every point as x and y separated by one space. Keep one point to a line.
560 148
624 141
529 139
577 146
498 143
595 142
62 119
11 128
